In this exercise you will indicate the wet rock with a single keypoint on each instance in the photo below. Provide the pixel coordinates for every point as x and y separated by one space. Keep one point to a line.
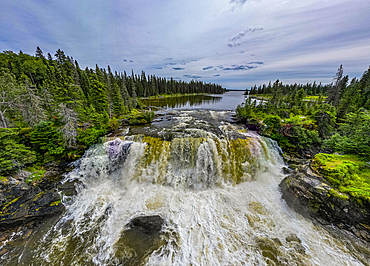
287 170
312 196
253 127
22 175
148 225
25 203
2 199
34 204
19 189
125 121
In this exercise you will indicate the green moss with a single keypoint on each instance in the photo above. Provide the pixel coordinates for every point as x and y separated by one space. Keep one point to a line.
56 203
336 194
350 174
9 203
39 195
37 175
3 179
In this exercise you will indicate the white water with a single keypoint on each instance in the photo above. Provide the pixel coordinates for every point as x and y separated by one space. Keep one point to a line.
210 218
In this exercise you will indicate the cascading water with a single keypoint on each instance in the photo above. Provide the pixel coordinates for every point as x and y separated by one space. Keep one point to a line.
214 184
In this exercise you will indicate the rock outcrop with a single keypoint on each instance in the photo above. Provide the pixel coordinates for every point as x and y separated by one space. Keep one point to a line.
24 203
312 196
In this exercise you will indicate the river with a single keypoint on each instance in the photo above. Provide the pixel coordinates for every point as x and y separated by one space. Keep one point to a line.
215 184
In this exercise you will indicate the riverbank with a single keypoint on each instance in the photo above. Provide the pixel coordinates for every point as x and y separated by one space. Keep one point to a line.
266 97
171 95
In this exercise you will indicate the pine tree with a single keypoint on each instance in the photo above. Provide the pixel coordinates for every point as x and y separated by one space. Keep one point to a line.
98 96
335 91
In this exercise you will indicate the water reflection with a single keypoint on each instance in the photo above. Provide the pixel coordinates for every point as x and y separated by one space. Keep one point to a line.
182 101
227 101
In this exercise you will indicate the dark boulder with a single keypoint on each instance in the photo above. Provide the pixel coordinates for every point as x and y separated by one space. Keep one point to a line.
148 225
312 196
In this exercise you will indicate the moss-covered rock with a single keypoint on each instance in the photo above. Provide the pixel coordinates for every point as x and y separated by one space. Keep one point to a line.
312 196
24 202
348 173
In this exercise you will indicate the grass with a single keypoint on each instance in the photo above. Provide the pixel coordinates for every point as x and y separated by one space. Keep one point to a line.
306 98
350 174
314 97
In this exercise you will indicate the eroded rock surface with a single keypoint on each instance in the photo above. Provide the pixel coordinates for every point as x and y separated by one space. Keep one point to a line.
24 203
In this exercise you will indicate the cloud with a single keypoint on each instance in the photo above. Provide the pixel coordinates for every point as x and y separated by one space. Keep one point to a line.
171 64
193 76
231 45
209 67
256 63
178 68
244 32
131 61
238 67
216 75
159 68
168 59
238 2
124 60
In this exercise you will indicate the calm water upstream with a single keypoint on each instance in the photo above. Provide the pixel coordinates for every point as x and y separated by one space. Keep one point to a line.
227 101
215 185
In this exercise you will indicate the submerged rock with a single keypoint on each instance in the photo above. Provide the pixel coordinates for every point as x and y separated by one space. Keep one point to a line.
312 196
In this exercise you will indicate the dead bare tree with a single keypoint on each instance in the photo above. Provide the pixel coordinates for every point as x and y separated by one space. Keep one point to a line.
70 119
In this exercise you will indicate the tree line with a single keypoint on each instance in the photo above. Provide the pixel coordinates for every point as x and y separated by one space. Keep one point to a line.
339 119
309 88
51 108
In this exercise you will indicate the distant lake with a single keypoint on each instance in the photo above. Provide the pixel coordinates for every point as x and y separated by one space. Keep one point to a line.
227 101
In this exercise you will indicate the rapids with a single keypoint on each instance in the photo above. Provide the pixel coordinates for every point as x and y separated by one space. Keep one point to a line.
214 184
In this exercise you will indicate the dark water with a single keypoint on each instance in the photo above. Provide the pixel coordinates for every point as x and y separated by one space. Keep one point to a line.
228 101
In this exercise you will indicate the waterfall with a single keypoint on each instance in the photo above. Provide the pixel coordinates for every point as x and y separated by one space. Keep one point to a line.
214 184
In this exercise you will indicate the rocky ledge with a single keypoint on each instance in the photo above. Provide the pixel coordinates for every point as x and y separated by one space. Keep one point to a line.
24 203
312 196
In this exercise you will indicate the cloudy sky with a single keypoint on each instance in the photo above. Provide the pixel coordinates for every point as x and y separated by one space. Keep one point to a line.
236 43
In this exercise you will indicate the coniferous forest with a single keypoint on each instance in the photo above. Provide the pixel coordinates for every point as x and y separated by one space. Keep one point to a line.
336 118
330 124
50 108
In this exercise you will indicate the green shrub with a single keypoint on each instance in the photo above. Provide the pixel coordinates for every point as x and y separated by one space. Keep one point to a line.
113 124
13 154
90 135
353 136
47 140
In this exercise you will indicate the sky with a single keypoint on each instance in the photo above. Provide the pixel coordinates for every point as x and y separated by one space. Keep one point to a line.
235 43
